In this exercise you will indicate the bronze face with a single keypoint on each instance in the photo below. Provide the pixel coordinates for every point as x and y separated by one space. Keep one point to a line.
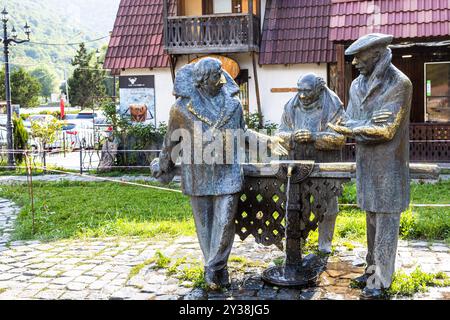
366 60
307 90
211 74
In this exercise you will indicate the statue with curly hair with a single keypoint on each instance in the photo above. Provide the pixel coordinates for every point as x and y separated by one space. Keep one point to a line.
306 135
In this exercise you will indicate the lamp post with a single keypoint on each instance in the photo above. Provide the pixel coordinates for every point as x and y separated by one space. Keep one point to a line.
7 40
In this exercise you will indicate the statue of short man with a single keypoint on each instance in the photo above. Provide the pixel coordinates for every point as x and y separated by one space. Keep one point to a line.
377 117
208 105
306 134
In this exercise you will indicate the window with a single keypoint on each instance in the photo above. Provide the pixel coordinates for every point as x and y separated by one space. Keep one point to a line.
437 92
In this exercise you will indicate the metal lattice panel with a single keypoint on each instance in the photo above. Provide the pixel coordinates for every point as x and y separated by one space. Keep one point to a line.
262 210
262 207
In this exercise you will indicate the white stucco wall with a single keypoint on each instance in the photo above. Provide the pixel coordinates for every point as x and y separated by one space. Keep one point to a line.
277 76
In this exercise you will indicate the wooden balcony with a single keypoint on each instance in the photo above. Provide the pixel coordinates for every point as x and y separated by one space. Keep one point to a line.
218 33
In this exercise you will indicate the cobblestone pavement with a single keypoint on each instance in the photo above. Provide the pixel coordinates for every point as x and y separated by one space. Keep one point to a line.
113 268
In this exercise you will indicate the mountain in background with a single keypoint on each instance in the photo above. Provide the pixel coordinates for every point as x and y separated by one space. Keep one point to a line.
57 28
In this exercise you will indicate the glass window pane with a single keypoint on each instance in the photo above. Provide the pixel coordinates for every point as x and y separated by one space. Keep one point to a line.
438 92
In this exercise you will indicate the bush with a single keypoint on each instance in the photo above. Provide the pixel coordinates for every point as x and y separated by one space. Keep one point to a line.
20 138
253 122
134 137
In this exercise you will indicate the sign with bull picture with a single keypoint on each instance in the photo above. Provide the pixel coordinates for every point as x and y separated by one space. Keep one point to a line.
137 98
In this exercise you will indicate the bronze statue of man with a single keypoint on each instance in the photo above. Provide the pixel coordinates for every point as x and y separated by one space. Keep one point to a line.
207 108
377 117
305 133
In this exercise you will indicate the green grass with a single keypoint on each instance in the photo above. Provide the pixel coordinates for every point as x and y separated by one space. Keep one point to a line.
421 193
102 209
417 281
97 209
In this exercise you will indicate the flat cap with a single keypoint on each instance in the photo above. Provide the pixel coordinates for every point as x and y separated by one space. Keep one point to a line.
369 41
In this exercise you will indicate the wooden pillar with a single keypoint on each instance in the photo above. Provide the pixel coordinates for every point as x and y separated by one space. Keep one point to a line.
173 63
258 98
165 16
250 25
341 78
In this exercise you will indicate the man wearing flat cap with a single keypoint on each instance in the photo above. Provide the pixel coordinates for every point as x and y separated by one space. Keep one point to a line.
377 117
305 133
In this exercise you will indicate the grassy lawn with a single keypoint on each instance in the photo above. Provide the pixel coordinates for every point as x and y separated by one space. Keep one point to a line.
98 209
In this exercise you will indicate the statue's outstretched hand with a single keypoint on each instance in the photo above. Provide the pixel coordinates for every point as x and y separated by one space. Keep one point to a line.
341 129
275 144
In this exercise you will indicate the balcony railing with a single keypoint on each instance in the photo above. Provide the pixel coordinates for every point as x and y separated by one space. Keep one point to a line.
429 142
212 34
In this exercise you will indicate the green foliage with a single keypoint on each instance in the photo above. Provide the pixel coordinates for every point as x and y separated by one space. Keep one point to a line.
137 268
20 138
173 269
253 122
417 281
59 22
407 224
87 81
25 89
134 137
349 194
161 261
46 132
194 274
144 133
46 79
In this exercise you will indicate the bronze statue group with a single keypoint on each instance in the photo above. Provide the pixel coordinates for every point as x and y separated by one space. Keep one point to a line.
314 126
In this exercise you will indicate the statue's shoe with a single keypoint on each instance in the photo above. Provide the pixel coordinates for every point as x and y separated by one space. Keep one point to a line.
224 277
212 280
372 294
361 281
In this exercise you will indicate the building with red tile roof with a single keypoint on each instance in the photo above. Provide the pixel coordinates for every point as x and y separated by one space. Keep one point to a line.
273 42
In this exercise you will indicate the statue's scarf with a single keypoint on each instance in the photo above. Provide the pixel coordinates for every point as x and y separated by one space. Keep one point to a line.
328 100
367 86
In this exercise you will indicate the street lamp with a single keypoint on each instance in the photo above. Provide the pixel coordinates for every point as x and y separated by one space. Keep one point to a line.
7 40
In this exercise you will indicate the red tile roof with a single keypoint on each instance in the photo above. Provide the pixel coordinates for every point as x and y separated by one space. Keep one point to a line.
296 31
137 37
402 18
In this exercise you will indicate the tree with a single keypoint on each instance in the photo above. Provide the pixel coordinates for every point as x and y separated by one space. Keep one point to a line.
46 132
25 89
87 82
46 79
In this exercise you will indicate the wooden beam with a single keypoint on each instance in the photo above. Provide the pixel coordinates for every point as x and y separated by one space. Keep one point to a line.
258 97
251 34
283 90
165 16
340 51
173 63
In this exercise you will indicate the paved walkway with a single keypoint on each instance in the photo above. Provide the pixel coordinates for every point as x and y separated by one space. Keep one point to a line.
114 268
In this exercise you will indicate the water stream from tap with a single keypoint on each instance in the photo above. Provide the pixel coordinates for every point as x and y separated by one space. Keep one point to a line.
288 191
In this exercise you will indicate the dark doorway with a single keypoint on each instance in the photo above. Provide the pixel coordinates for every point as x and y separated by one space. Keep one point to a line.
242 81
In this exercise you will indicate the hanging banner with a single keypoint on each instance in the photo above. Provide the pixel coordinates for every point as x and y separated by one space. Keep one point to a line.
137 98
